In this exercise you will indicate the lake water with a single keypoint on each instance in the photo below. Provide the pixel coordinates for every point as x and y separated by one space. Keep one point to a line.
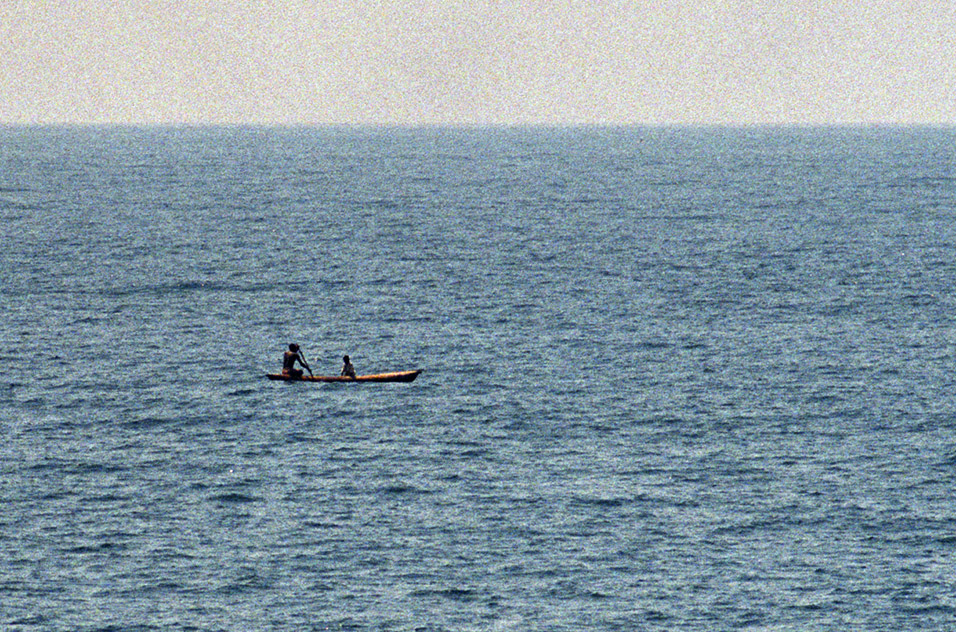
674 379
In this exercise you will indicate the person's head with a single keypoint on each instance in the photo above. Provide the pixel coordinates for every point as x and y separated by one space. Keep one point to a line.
294 348
345 359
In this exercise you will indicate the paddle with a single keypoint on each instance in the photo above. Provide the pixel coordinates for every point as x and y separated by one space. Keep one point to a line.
303 362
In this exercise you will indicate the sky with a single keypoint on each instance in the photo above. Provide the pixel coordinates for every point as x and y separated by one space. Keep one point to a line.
479 62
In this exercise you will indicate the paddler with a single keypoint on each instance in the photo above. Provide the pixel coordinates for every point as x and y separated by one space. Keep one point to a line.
347 369
289 358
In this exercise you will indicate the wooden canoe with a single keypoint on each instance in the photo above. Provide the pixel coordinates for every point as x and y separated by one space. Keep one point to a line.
397 376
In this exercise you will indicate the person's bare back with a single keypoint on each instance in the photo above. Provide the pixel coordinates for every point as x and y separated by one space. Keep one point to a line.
289 358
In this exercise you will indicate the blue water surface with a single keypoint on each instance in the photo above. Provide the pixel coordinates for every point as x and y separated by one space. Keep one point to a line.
674 379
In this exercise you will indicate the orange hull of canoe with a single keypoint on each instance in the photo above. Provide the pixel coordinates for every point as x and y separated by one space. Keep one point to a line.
398 376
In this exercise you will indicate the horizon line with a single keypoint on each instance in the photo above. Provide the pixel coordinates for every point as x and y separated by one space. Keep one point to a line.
470 125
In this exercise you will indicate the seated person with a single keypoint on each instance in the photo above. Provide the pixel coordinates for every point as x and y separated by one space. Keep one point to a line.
289 358
347 369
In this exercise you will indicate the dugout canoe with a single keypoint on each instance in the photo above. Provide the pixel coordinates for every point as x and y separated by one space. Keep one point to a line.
397 376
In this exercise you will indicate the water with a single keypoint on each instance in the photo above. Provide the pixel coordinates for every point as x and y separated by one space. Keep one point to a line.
674 379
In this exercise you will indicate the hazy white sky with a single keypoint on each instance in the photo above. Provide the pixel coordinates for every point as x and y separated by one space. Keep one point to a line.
478 62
